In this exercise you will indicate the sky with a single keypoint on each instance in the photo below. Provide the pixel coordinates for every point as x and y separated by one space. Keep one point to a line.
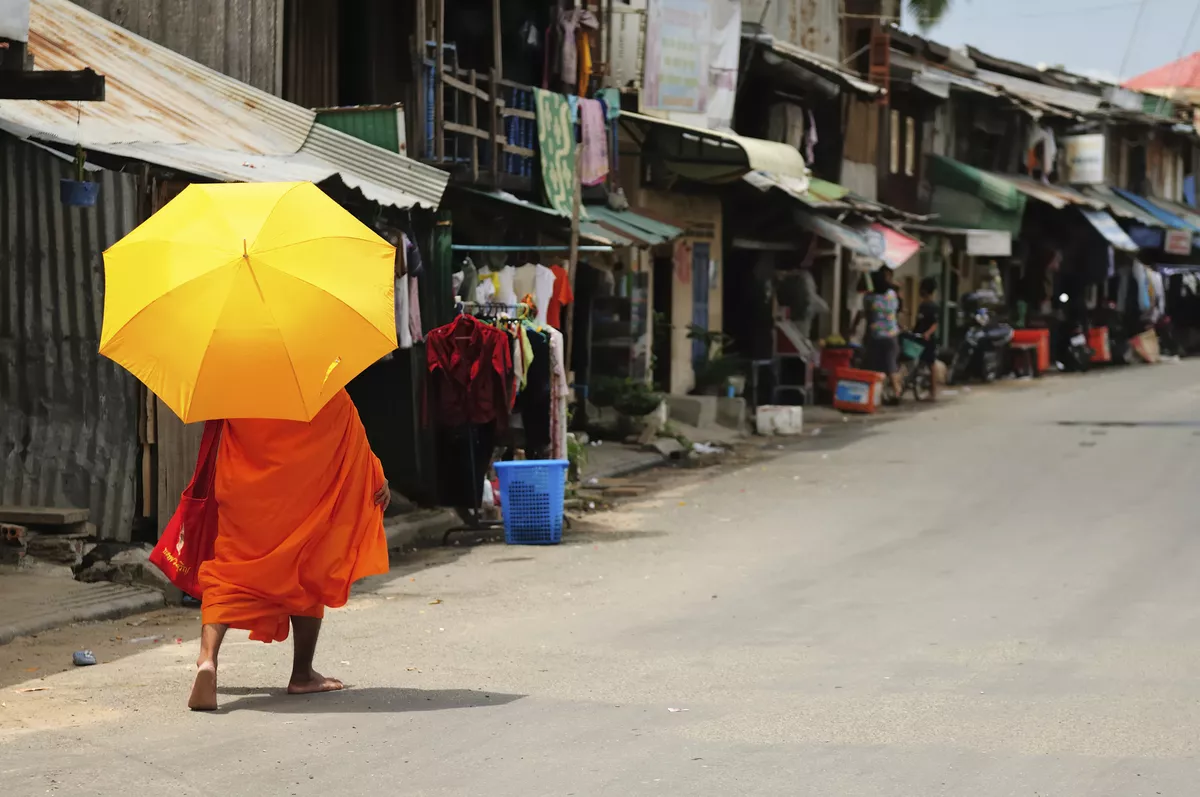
1092 37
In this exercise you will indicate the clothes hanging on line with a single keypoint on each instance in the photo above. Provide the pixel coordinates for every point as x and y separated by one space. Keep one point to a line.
561 296
594 150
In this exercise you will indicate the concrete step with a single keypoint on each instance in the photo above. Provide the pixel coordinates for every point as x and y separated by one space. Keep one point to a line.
30 604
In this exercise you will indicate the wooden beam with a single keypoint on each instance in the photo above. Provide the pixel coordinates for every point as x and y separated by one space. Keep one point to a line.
473 104
524 152
467 130
494 127
465 86
497 50
85 86
531 115
439 100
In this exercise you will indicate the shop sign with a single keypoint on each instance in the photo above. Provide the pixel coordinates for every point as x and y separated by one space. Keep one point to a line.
1178 242
14 20
1083 159
989 243
1146 237
692 50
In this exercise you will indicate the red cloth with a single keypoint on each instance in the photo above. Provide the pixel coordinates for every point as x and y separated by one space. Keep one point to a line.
562 295
471 370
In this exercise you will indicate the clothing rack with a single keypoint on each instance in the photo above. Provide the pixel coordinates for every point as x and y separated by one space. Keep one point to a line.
474 522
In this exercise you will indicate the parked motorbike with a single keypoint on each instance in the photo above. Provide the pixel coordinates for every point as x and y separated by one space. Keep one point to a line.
981 353
1076 353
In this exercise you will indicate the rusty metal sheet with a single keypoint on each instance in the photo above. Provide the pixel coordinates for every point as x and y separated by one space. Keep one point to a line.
68 417
163 108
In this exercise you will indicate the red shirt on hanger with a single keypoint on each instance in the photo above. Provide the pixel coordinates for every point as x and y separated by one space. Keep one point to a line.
562 295
470 367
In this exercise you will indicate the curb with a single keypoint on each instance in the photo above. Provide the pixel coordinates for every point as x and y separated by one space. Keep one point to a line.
107 602
421 529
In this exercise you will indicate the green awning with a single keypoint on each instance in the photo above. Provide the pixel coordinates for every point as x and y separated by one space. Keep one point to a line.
642 229
964 196
589 230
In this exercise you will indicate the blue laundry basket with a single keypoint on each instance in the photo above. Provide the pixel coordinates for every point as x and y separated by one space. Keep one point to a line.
531 498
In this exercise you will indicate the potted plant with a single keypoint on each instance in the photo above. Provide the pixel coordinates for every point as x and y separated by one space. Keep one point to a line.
78 193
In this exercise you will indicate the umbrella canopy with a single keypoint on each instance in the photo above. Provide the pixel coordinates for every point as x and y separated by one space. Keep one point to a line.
249 300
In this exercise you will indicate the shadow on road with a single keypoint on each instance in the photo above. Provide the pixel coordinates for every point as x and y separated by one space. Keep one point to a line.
369 700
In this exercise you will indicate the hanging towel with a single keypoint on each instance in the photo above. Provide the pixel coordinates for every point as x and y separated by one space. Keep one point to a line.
810 139
415 330
403 333
595 142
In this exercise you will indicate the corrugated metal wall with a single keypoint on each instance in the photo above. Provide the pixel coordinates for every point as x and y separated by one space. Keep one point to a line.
240 38
811 24
68 417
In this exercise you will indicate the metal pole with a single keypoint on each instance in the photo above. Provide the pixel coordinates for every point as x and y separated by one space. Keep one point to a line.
569 323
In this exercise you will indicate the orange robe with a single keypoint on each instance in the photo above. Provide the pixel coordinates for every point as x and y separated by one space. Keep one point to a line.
297 521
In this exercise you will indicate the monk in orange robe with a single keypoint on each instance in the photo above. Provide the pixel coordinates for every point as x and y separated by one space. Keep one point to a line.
300 519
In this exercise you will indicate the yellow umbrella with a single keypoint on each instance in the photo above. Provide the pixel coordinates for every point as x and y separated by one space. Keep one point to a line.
249 300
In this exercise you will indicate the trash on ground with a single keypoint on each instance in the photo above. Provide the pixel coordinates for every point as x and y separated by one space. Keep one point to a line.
593 480
677 710
31 689
83 658
816 431
143 639
435 601
707 448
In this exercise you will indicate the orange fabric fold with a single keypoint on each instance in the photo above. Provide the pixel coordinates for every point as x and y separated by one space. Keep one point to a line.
297 520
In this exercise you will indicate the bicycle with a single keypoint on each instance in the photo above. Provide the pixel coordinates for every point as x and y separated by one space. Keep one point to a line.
915 374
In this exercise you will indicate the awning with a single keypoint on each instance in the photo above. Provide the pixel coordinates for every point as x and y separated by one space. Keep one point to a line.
588 229
897 247
964 196
1107 226
716 155
1075 101
1164 216
1056 196
939 82
642 229
165 109
827 68
837 232
1122 207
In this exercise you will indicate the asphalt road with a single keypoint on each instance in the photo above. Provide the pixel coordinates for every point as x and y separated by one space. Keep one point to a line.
995 597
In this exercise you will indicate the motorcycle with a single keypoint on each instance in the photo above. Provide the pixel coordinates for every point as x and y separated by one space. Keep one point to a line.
980 355
1077 354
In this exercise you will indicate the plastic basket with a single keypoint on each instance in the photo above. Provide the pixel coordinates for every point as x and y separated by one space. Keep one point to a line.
912 348
531 498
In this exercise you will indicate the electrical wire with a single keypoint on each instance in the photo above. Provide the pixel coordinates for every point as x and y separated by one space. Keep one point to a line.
1132 37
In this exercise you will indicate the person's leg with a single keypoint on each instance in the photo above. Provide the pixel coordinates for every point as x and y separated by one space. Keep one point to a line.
204 689
305 680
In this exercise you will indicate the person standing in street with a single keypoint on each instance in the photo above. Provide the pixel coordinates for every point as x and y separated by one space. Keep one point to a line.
300 518
881 341
929 313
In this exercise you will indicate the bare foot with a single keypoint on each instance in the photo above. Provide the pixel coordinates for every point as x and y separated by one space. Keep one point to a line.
312 683
204 690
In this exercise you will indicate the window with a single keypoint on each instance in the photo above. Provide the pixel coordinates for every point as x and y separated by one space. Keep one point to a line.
910 146
894 151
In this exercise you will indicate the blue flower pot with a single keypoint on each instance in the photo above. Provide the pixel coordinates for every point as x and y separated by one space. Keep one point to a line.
76 194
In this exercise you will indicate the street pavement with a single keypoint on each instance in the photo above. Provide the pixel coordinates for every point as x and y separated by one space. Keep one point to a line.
998 596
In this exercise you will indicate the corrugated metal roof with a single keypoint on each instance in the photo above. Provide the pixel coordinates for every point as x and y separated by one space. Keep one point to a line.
1165 216
68 417
644 230
1122 207
1039 92
761 155
166 109
1056 196
826 67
